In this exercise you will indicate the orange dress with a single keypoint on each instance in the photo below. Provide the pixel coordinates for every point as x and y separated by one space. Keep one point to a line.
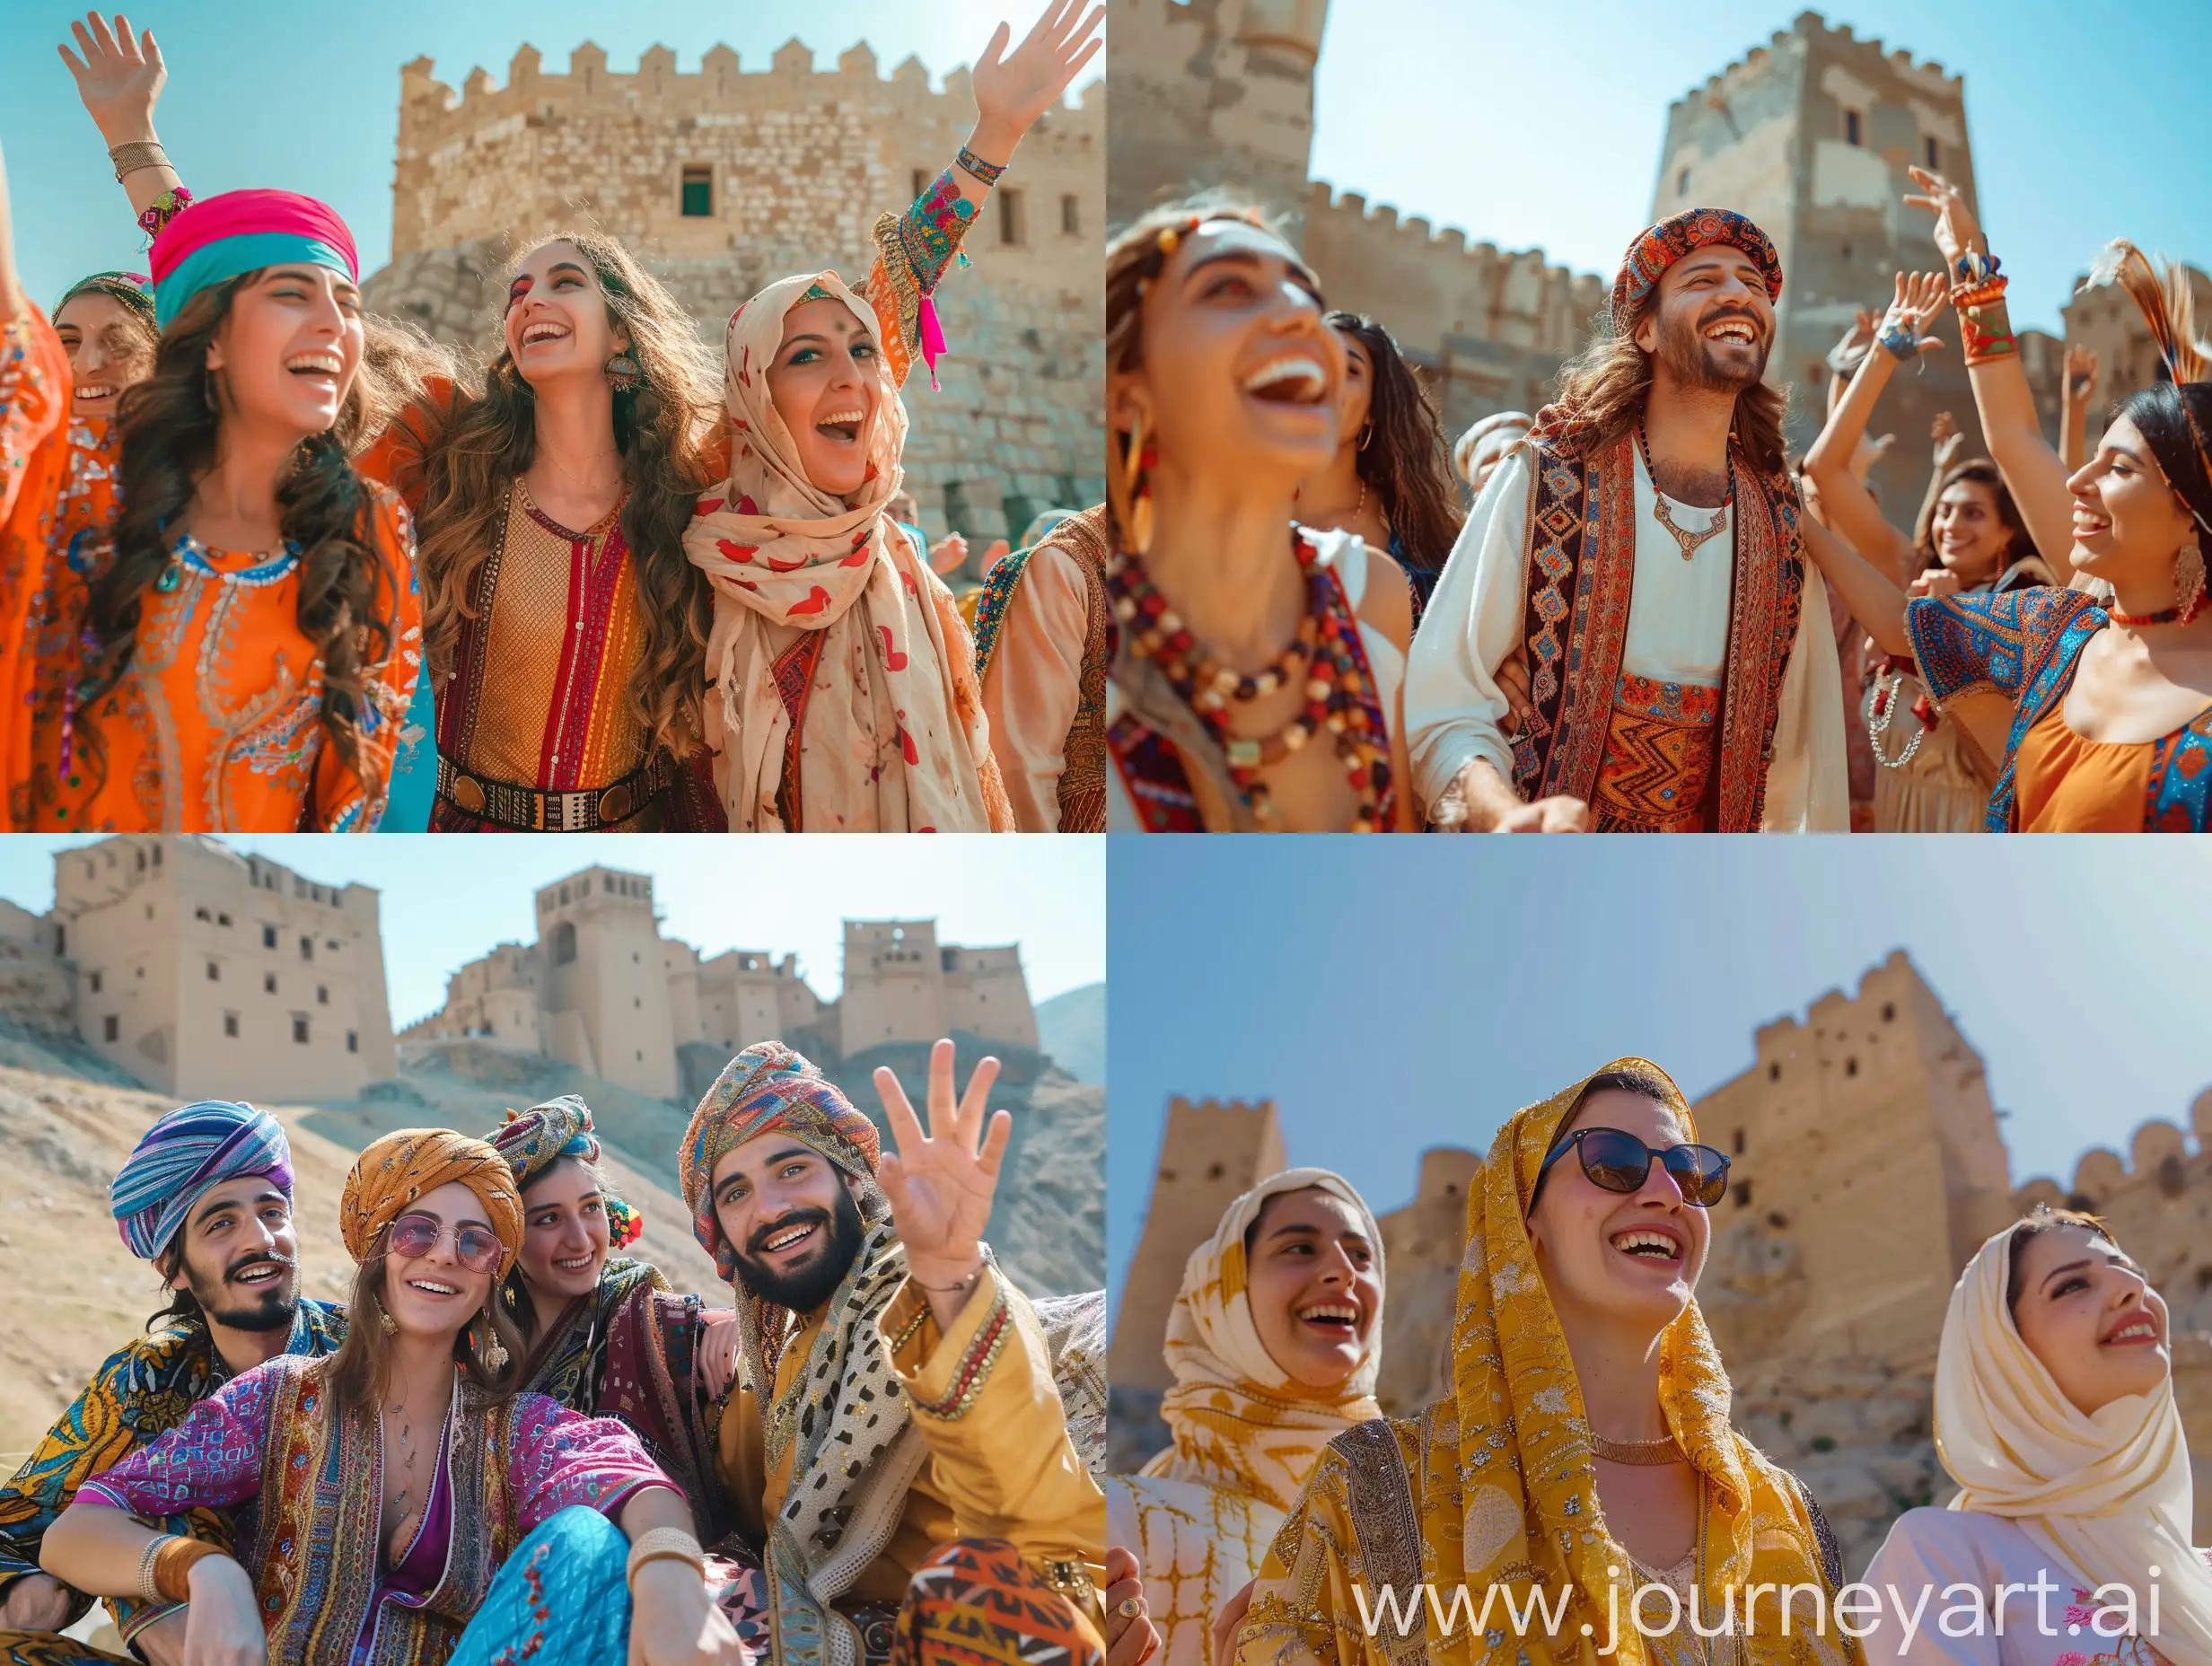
216 724
2067 785
34 456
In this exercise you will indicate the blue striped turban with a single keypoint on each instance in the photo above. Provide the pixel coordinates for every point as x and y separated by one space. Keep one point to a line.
188 1152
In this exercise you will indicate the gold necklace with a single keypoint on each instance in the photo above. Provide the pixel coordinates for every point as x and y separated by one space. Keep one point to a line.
1690 540
1644 1454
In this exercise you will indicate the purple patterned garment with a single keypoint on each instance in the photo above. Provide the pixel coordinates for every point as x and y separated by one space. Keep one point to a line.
260 1446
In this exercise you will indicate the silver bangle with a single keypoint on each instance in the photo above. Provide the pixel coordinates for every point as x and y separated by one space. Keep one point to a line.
147 1592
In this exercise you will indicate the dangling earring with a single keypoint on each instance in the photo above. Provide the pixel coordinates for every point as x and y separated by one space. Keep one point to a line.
1366 434
494 1351
624 373
2189 580
385 1321
1137 486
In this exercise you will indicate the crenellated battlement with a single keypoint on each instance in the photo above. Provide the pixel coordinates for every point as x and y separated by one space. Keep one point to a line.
1787 48
2163 1159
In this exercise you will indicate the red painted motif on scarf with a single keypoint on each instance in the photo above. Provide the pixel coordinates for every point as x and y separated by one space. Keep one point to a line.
817 599
735 550
892 659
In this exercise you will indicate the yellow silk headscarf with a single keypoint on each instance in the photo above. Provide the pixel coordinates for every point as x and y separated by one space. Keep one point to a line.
2110 1492
1509 1495
1240 1423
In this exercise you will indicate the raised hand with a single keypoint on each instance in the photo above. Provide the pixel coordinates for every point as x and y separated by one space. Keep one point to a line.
2080 374
119 77
1943 432
11 303
941 1186
1921 298
1014 89
1956 229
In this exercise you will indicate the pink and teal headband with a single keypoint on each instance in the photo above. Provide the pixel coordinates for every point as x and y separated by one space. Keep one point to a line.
240 232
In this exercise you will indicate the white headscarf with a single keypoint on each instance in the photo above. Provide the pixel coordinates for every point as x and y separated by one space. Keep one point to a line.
1238 1419
2110 1492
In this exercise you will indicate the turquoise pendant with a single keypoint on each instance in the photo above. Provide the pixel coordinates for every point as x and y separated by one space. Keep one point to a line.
171 576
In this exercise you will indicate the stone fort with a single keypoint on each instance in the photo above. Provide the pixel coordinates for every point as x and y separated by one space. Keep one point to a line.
725 179
1867 1164
600 989
1809 134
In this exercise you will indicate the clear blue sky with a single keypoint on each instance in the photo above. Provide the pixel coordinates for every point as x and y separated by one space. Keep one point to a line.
306 96
1394 994
448 900
1540 125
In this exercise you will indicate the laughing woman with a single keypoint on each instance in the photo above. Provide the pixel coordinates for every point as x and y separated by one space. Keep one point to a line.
1256 680
241 598
602 1334
399 1501
1275 1341
1585 1452
840 676
2106 709
2055 1413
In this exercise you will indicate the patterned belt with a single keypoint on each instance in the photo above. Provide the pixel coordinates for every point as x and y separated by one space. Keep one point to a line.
527 809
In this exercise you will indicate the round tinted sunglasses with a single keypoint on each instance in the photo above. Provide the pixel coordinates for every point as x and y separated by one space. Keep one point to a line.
1621 1162
476 1248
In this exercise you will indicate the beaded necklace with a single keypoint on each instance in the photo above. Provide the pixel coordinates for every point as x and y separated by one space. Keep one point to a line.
1339 688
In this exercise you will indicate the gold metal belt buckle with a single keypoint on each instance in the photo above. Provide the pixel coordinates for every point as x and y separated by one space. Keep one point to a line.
468 793
616 803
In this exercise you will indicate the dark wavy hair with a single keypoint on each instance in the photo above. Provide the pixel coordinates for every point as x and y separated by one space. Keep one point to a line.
1133 260
168 425
1404 457
2175 421
1982 471
1603 390
660 428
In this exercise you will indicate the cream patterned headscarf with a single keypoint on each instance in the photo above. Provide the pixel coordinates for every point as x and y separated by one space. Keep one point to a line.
2111 1492
892 737
1239 1421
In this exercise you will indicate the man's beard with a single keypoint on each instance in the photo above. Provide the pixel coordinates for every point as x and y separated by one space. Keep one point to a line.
807 1286
1691 359
268 1306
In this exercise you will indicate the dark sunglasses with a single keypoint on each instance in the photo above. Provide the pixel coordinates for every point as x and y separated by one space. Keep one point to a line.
1621 1162
476 1248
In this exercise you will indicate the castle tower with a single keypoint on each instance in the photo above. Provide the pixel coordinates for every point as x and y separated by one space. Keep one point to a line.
1211 1153
1212 92
1421 1248
1810 136
603 995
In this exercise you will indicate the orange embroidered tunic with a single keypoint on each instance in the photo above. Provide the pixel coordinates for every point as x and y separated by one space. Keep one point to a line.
215 726
34 453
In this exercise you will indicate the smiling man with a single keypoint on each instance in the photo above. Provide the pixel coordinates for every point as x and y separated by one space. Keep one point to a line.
908 1470
206 1197
1639 564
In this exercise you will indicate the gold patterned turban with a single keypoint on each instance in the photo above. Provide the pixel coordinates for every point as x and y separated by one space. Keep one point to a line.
398 1171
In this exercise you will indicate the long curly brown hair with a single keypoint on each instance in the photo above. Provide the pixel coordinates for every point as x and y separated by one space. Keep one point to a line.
1404 457
169 426
1604 389
359 1374
660 430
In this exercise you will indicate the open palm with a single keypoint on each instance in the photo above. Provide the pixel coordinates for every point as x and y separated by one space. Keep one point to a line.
1921 296
1015 88
941 1184
119 77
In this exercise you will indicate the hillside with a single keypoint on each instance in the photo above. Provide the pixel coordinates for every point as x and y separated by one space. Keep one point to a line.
1072 1029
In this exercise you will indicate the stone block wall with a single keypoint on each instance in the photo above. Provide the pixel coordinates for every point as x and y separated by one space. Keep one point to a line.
799 164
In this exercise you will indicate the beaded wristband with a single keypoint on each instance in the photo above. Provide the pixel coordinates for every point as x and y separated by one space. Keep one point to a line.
1899 342
136 156
664 1544
173 1564
166 207
1977 265
987 172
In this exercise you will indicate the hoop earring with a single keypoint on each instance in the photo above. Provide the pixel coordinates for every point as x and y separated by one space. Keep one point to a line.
1137 460
623 371
1367 434
2189 580
495 1353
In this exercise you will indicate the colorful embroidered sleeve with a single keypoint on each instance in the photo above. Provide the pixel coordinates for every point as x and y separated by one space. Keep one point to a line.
344 801
912 251
209 1461
558 1457
985 1399
1306 1604
34 398
1986 644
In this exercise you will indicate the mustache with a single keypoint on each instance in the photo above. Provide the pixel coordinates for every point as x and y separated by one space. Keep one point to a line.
1719 314
757 1243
